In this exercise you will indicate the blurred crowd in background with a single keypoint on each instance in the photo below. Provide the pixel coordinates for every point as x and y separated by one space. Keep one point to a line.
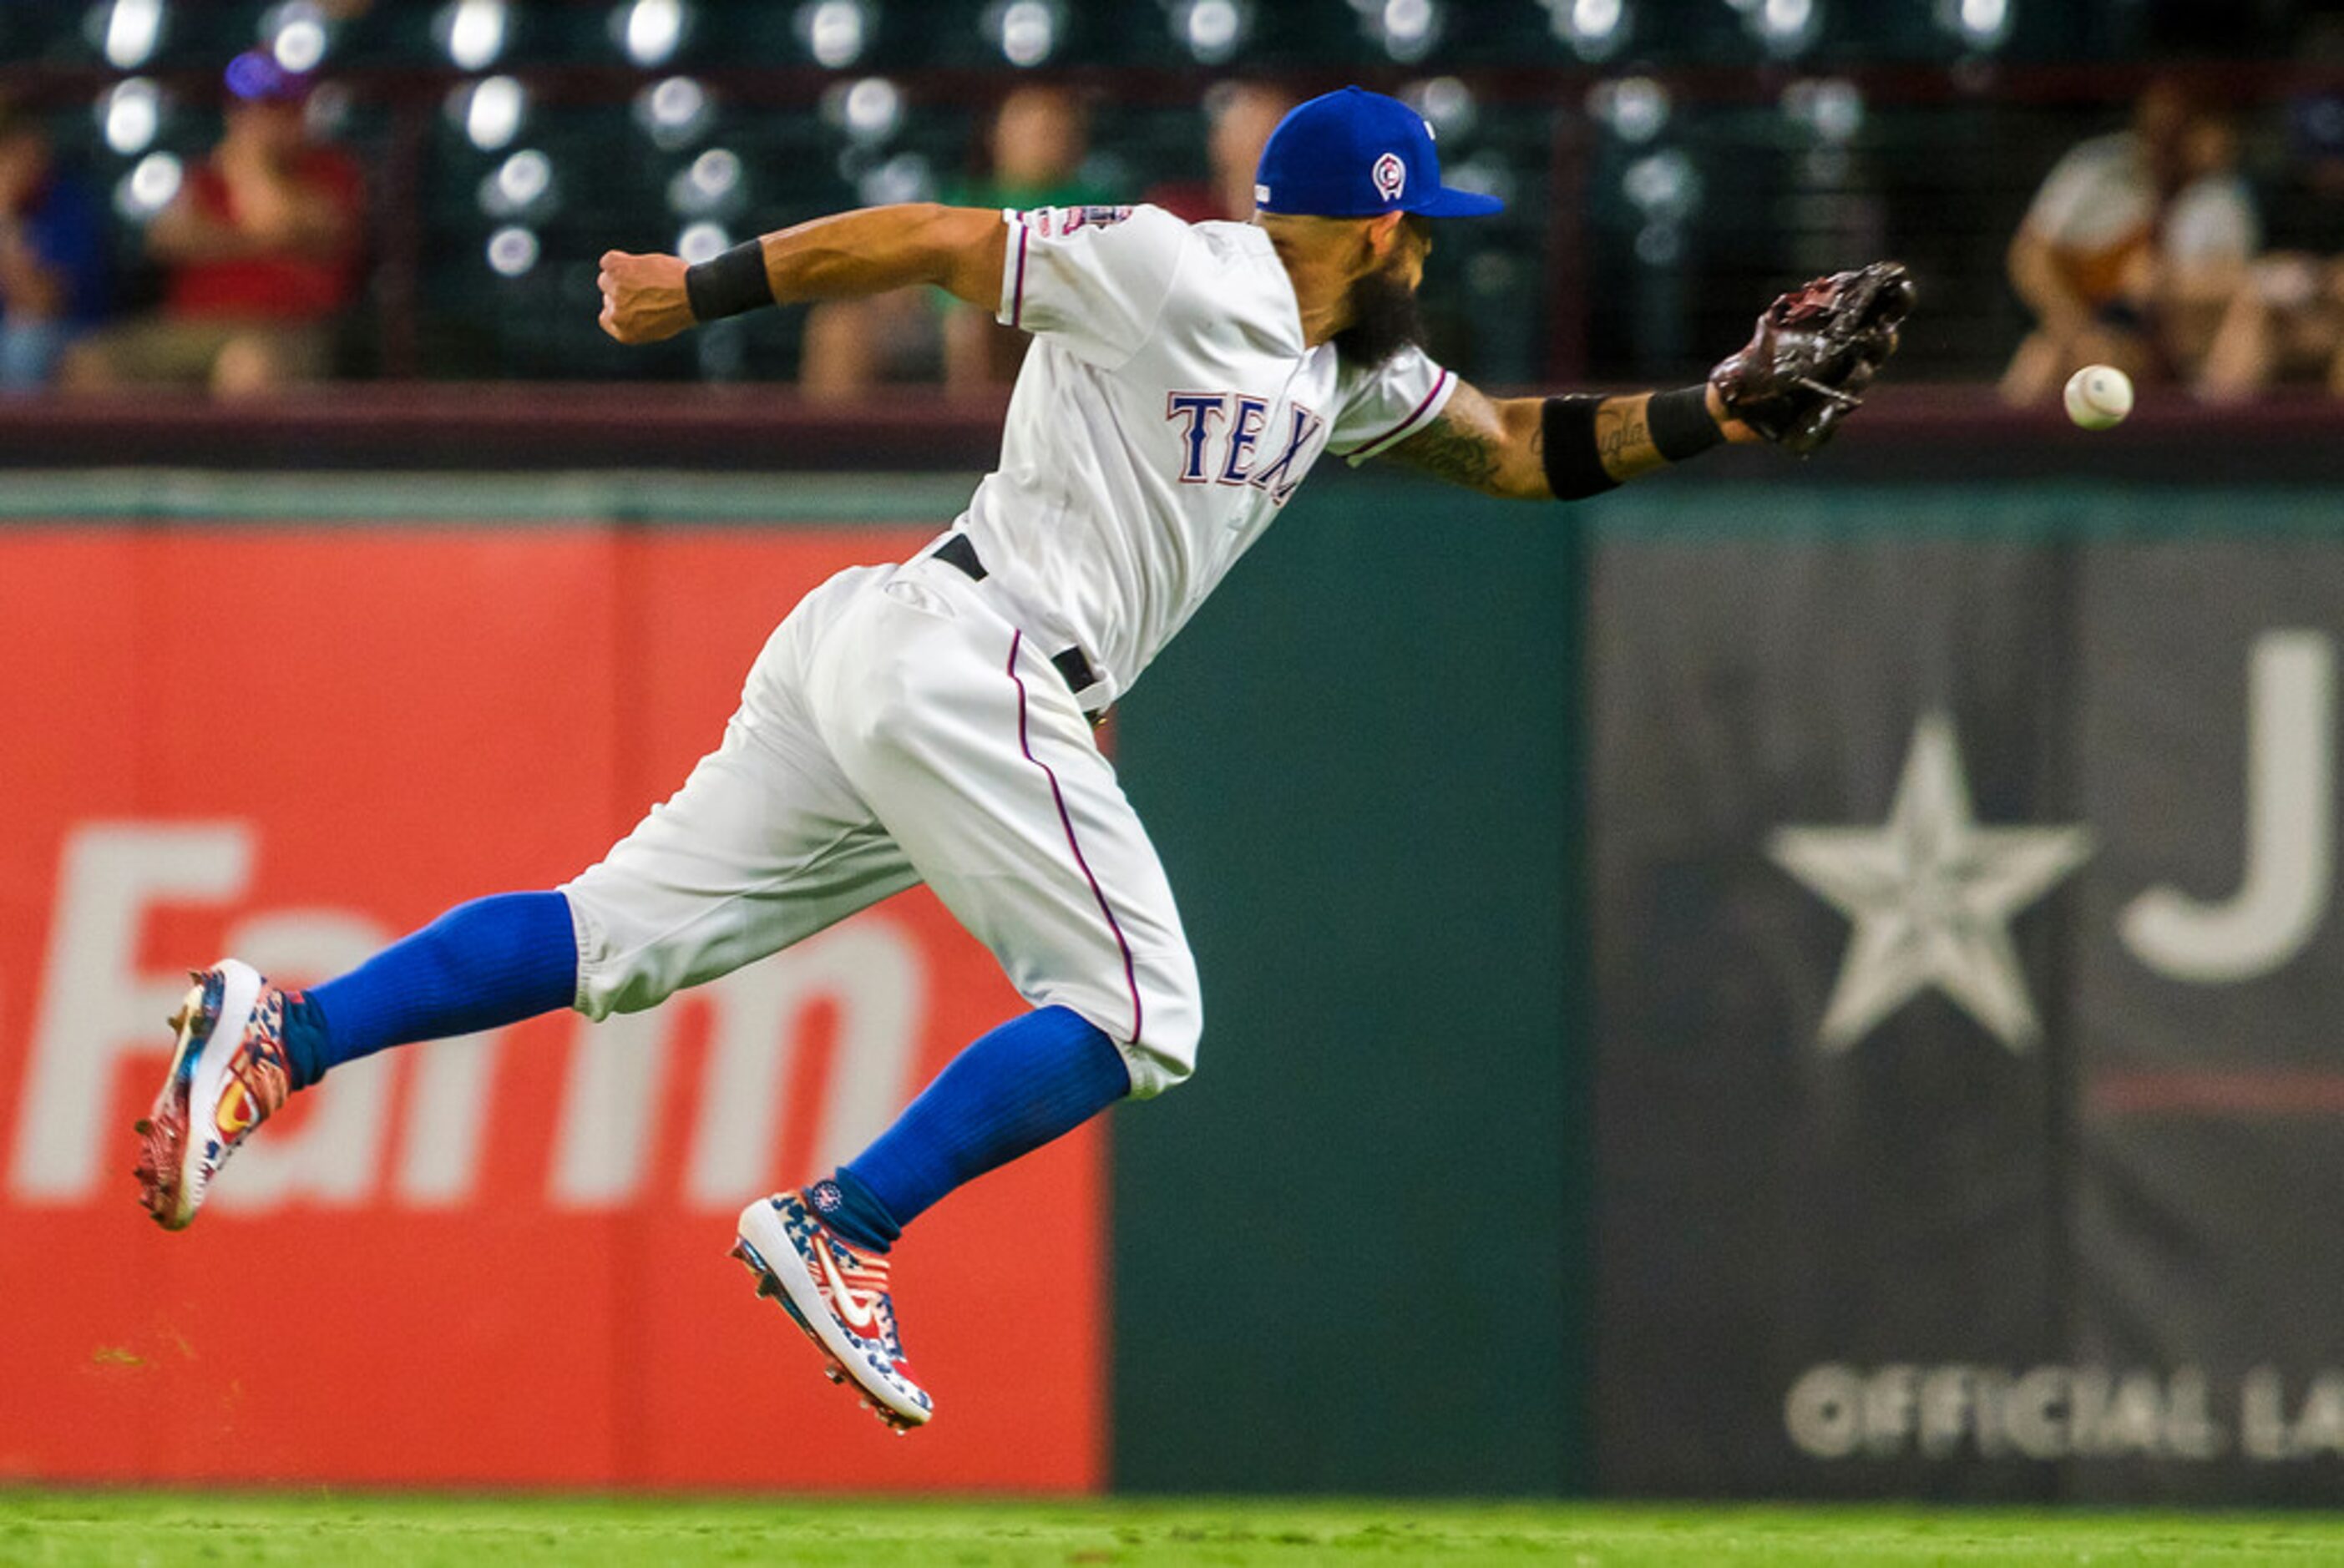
240 198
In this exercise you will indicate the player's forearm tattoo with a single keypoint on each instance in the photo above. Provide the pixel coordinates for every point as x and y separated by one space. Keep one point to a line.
1623 438
1619 436
1453 452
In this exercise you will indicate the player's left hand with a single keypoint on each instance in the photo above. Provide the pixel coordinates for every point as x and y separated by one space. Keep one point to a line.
643 297
1735 430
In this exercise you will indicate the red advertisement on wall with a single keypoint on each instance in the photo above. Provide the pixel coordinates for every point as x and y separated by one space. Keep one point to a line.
500 1260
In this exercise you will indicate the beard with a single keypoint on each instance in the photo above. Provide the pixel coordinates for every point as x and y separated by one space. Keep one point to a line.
1384 321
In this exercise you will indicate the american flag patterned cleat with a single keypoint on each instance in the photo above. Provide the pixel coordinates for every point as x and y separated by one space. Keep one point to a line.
837 1295
228 1075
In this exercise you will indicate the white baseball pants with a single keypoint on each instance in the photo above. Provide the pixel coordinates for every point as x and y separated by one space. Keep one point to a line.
897 729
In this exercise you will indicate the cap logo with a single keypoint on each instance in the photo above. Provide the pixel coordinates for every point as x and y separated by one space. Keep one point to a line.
1390 175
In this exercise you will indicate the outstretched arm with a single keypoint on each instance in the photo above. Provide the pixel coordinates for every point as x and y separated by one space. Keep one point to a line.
1804 370
1499 446
958 249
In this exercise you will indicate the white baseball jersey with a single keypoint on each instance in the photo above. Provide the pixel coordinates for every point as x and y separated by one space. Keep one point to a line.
908 723
1167 410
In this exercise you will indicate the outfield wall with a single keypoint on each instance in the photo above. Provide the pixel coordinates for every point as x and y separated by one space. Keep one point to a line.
1542 1140
1970 1084
498 1259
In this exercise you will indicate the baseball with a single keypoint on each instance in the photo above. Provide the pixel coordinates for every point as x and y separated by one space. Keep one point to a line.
2100 396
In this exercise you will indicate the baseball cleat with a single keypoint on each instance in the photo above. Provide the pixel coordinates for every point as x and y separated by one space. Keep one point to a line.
837 1295
228 1076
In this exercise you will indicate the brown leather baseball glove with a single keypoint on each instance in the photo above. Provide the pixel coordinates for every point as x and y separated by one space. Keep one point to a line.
1814 352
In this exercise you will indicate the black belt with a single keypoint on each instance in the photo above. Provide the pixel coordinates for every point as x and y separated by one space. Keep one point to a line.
1071 667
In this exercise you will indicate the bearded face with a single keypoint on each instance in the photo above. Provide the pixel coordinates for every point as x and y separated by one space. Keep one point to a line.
1383 305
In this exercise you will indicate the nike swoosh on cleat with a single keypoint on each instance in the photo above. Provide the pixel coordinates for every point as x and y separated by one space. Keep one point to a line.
857 1313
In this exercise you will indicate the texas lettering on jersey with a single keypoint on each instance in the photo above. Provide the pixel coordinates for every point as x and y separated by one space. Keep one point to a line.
1169 407
1240 418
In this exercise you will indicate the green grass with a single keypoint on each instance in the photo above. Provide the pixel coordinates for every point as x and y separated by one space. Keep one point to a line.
45 1528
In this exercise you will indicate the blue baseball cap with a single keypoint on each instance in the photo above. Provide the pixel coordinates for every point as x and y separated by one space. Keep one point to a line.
1358 154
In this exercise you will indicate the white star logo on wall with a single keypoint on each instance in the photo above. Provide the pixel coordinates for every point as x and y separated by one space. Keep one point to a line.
1931 894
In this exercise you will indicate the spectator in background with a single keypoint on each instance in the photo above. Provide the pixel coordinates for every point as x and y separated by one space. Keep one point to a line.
53 272
1239 119
260 251
2208 235
2129 241
1038 140
2285 320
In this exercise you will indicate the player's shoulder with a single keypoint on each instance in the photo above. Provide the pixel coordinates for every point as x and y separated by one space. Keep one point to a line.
1407 371
1236 240
1223 255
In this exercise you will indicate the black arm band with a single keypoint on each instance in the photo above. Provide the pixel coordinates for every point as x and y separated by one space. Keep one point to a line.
1679 423
728 284
1574 469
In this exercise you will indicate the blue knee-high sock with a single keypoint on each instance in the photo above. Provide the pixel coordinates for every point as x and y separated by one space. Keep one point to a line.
1010 1093
490 962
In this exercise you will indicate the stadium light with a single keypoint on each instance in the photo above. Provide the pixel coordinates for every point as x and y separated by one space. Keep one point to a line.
1595 29
1484 174
702 241
1660 244
131 29
836 32
1832 108
1446 103
1633 108
708 185
519 184
1406 28
674 112
296 34
649 30
1979 24
1212 30
868 111
512 250
490 111
472 32
906 176
1663 185
129 113
1026 31
148 188
1784 26
1666 190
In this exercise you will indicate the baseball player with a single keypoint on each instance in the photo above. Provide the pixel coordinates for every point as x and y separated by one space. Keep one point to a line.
931 720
